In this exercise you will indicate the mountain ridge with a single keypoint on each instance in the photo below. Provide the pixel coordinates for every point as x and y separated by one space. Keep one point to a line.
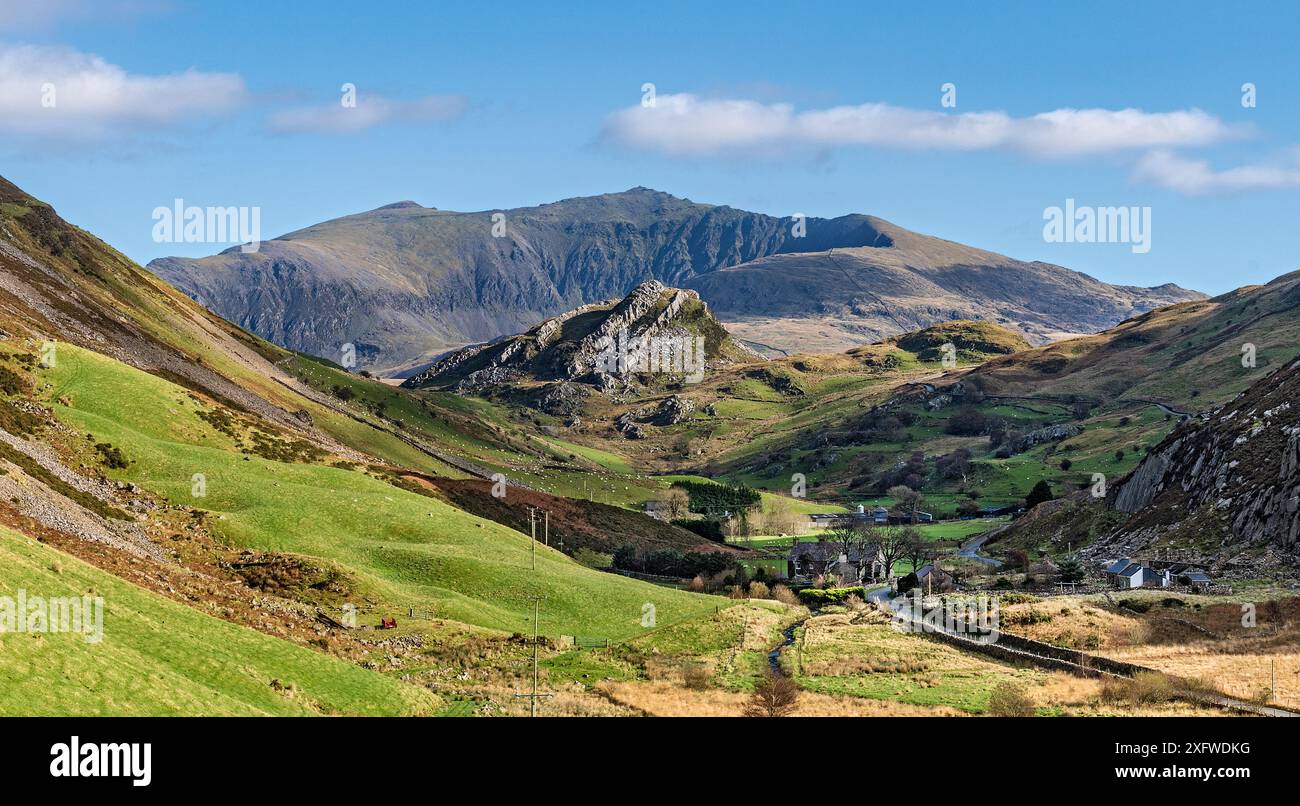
405 284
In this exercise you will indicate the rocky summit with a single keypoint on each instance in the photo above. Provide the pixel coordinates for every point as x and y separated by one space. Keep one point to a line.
654 330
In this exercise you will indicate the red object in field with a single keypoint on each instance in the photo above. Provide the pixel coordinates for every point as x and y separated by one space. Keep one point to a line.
388 624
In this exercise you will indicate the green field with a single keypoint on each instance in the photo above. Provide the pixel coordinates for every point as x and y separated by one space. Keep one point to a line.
946 530
161 658
400 548
878 662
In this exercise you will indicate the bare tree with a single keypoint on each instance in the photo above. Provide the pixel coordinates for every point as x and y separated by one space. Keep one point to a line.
907 500
914 548
674 502
848 537
890 544
776 695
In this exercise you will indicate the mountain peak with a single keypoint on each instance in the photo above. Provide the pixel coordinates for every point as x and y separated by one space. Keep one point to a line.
573 345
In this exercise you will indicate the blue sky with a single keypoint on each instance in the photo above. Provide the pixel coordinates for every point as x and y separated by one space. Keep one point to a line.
785 107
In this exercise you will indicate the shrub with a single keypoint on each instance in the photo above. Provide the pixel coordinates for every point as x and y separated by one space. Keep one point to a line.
777 695
11 383
1010 699
593 559
758 590
967 423
1144 688
1042 492
1018 598
908 582
784 595
820 597
695 676
112 456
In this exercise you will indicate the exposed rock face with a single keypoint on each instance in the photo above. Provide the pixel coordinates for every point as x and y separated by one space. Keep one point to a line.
562 398
404 283
1241 462
673 410
1052 433
654 330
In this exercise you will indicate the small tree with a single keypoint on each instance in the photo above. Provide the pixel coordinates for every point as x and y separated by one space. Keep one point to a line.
1042 492
1009 699
674 503
907 500
741 578
1071 570
914 548
776 695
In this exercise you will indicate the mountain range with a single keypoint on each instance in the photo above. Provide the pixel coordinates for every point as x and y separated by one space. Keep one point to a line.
405 284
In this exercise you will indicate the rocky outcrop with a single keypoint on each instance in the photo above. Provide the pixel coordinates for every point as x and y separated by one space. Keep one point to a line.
1051 433
654 330
1240 463
673 410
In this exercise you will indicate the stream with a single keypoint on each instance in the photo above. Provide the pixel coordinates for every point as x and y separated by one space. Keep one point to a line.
774 657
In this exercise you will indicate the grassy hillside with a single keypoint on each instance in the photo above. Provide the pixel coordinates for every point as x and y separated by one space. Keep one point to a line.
401 548
160 658
1189 356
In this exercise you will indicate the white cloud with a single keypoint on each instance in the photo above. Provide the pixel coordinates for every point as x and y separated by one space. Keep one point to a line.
1199 177
42 14
684 124
52 92
370 110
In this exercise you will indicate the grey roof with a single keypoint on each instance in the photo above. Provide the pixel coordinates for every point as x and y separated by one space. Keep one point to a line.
927 569
827 552
1118 566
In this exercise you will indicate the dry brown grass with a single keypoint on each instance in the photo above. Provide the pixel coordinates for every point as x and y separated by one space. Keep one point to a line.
664 699
1207 643
1084 696
1071 623
1234 667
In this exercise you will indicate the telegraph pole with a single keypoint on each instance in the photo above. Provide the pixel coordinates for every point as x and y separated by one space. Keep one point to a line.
532 528
546 521
534 696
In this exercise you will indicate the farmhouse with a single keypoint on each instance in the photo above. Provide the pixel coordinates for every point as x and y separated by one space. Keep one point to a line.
931 579
1127 573
815 559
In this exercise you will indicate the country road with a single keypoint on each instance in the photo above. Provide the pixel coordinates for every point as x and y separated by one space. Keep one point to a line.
970 549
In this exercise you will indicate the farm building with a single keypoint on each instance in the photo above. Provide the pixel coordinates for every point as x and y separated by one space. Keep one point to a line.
1127 573
814 559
